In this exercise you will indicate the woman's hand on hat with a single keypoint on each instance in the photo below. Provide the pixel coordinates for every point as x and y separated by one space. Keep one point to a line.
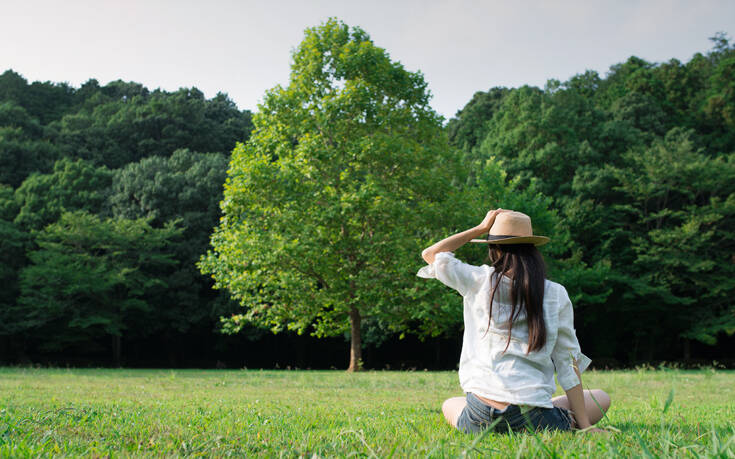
487 223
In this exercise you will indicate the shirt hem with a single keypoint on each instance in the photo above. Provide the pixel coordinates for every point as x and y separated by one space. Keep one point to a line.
507 399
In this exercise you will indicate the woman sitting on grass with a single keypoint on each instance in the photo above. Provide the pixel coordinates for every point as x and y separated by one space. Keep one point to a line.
518 328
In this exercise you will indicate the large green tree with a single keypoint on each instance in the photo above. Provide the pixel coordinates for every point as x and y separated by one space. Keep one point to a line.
326 205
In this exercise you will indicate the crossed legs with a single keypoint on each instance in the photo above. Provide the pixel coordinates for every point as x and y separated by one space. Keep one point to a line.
452 407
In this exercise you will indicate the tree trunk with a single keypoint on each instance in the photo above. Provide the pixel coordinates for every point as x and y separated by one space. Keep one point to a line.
355 341
687 350
116 349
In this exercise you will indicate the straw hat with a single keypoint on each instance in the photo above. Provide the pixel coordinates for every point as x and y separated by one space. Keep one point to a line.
512 228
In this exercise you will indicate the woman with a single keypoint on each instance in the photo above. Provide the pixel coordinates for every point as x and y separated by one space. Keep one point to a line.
518 329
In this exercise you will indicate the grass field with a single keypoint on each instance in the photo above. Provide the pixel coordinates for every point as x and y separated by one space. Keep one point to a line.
99 412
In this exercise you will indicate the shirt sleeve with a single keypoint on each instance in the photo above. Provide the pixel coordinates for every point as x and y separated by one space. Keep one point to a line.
452 272
567 353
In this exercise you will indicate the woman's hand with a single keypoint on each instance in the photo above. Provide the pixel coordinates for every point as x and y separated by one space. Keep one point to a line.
487 223
458 240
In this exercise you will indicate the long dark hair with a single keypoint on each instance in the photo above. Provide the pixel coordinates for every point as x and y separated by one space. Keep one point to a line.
525 265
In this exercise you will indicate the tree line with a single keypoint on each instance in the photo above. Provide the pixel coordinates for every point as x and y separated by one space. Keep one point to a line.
108 195
116 229
640 167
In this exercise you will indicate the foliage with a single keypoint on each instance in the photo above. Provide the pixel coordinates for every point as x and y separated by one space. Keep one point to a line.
683 206
640 168
73 185
467 128
631 174
331 196
187 187
120 131
44 101
66 149
111 125
13 243
22 148
90 277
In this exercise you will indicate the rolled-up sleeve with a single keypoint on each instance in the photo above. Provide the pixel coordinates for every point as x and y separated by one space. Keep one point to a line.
567 353
452 272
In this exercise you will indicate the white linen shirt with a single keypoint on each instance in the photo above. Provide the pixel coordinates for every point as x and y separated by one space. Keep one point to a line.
513 376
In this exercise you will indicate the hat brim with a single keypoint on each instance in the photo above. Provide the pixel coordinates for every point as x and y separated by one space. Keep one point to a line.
535 240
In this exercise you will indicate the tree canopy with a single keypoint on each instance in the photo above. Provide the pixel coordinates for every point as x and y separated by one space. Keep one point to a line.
118 153
329 198
640 168
92 277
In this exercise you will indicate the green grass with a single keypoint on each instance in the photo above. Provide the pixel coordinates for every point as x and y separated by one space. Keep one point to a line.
98 412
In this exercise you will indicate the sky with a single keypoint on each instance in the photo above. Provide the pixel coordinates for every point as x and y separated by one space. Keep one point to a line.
243 48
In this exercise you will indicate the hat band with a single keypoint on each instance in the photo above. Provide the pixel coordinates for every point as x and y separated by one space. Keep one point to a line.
496 238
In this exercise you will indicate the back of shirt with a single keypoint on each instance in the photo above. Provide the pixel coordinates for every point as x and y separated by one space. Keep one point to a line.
491 365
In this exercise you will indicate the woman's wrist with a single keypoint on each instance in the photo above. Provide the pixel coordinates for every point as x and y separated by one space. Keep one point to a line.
478 231
451 243
472 233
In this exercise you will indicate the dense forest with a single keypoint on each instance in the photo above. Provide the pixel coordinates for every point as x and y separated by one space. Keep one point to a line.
641 169
109 196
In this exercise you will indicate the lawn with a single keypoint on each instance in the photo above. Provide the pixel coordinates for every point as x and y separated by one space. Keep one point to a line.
100 412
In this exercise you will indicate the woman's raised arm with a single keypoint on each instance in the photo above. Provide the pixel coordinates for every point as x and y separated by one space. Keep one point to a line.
456 241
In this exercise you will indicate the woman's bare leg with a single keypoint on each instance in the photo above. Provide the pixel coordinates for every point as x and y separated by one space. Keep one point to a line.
452 408
592 398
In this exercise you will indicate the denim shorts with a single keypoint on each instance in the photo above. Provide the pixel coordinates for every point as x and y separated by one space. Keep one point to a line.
477 416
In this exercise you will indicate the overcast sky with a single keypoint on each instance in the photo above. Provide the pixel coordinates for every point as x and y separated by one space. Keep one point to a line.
243 47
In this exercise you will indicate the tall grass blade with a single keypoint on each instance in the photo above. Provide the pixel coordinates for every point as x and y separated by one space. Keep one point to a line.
479 438
669 399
